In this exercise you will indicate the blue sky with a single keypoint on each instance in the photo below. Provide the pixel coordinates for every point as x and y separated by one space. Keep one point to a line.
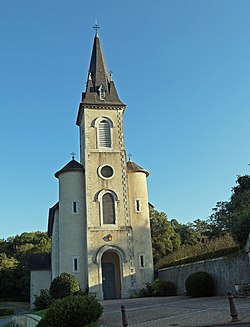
181 66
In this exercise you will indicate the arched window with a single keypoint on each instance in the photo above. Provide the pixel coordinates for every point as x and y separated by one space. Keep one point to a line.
108 206
104 134
108 209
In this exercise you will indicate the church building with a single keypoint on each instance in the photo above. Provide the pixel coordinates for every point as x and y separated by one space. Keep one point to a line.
99 228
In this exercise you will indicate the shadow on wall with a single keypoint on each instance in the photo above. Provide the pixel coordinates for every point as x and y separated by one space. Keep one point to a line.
226 272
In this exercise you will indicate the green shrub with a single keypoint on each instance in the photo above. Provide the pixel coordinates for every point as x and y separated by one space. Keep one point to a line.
142 293
160 287
199 284
6 311
74 311
64 285
43 300
42 323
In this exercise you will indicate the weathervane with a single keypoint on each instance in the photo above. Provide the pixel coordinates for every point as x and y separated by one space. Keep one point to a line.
73 155
96 27
129 156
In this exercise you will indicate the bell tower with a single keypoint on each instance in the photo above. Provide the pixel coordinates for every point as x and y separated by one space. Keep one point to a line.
111 253
100 228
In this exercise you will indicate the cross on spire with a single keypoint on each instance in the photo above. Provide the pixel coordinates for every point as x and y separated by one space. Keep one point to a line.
129 156
73 155
96 27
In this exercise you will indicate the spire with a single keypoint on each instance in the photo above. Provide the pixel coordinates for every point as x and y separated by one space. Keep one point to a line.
100 88
98 68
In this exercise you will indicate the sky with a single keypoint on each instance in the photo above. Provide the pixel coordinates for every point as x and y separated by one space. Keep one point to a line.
181 66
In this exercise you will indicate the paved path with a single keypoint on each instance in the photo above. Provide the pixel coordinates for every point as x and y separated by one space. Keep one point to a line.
6 320
174 311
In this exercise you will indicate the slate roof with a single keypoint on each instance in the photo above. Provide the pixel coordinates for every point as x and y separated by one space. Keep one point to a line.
98 76
40 261
132 166
52 217
71 166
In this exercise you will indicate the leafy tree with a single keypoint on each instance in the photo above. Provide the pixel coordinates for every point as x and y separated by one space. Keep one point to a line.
164 238
191 233
233 216
241 228
7 263
14 252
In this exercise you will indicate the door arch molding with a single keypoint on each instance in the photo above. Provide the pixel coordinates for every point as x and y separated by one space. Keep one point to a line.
98 256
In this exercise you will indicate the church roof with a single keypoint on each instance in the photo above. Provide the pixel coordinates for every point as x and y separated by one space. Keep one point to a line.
73 165
39 261
100 88
133 167
52 217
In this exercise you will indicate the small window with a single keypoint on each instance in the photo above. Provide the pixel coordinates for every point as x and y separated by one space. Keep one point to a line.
101 93
75 263
74 207
142 261
137 205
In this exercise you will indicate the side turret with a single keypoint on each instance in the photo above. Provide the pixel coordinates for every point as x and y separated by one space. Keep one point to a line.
70 224
139 214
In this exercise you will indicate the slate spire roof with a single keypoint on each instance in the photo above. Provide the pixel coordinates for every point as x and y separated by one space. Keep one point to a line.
98 71
100 88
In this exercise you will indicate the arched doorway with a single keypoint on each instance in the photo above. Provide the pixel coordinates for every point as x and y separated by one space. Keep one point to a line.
111 275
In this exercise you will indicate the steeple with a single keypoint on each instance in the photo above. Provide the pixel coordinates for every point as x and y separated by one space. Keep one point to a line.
100 88
97 68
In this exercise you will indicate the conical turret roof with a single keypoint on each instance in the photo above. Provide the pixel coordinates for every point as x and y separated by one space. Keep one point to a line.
73 165
133 167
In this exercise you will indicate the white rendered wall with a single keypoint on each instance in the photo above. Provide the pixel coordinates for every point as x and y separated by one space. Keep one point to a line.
140 222
72 226
39 279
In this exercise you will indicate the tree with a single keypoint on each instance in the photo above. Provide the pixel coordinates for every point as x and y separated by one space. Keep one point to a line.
191 233
233 216
164 238
14 252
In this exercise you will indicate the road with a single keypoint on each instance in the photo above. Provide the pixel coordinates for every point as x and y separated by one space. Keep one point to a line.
174 311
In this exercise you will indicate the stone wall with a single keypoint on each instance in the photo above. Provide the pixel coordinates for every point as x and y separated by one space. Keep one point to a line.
226 271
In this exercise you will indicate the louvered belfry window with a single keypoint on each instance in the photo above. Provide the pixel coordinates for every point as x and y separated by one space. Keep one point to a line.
104 134
108 209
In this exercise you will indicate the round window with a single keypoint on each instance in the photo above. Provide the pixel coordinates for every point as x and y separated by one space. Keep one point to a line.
106 171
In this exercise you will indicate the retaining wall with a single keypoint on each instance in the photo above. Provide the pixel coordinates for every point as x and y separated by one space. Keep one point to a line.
226 271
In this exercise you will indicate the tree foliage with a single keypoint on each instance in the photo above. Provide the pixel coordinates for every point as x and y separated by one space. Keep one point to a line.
164 238
233 216
14 252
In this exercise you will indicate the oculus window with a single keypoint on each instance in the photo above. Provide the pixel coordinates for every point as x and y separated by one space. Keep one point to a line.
106 172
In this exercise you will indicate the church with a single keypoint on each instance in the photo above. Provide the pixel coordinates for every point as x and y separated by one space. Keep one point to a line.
100 227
